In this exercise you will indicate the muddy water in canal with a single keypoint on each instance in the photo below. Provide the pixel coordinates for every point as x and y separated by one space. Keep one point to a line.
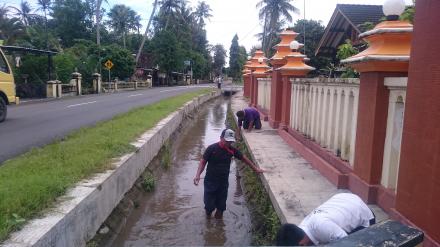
173 214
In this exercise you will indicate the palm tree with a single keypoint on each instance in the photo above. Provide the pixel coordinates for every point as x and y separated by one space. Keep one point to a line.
169 8
121 20
273 11
138 55
10 30
98 22
45 5
24 12
202 11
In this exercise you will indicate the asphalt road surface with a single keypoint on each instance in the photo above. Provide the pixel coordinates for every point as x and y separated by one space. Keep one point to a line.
39 123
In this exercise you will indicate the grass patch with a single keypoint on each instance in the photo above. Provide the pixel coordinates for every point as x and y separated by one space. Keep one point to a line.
31 182
166 155
265 221
148 182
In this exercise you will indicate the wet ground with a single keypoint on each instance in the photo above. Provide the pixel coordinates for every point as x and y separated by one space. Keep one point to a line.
173 214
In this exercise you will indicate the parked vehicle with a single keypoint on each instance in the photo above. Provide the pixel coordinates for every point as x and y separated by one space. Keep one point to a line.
7 86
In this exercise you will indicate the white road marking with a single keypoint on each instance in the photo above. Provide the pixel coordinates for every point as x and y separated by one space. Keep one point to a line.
169 90
134 95
91 102
183 87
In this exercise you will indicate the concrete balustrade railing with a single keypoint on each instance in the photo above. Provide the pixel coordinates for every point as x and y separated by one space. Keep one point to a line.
325 110
396 109
264 92
122 85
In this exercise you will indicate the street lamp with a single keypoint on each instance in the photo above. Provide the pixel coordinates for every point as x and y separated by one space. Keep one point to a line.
393 9
260 60
294 45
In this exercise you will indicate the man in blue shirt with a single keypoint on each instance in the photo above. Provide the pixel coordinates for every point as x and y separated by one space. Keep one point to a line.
249 118
218 157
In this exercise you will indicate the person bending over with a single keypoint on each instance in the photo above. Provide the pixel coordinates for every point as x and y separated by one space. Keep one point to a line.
218 156
248 118
341 215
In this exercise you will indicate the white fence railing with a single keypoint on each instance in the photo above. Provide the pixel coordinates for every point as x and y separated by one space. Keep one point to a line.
325 110
264 91
396 109
121 85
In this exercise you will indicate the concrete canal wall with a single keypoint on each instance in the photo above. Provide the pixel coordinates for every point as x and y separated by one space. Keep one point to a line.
79 214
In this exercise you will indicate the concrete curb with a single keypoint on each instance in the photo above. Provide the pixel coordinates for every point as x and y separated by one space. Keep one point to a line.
84 208
263 179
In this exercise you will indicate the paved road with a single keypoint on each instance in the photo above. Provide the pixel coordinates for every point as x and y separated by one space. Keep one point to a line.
36 124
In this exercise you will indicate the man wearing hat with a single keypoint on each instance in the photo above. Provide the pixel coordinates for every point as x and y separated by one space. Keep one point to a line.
218 157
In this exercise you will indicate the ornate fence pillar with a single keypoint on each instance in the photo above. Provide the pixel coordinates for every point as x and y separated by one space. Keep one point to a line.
246 79
294 68
78 81
258 67
386 56
97 83
277 61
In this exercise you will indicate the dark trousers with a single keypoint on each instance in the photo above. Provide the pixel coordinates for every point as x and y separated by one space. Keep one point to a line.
257 124
215 195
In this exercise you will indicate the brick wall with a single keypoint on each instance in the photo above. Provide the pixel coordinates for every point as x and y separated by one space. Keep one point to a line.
418 191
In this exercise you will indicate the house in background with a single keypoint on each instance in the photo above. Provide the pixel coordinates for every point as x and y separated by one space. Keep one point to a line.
346 23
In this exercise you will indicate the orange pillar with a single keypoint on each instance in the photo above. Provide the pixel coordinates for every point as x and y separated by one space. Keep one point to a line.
294 68
278 60
246 85
386 56
258 67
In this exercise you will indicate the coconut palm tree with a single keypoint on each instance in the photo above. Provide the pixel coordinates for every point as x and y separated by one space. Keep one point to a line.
203 11
272 12
10 30
138 55
122 20
170 8
23 12
44 6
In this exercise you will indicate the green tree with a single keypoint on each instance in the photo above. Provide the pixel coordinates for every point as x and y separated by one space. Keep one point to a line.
167 52
314 32
70 21
10 28
219 59
271 13
44 5
345 51
234 59
24 12
123 60
122 20
170 9
202 12
144 38
409 13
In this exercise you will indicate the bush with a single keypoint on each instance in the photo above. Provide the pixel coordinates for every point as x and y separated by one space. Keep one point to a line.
64 64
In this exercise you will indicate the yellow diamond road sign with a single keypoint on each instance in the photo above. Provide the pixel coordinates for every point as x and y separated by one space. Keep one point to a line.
108 64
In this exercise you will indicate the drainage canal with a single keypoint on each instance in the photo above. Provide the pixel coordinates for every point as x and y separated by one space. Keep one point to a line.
172 214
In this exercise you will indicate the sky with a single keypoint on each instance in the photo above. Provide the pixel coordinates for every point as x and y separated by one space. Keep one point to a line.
239 17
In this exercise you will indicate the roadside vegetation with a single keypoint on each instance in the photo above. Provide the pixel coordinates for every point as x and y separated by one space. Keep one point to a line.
265 221
31 182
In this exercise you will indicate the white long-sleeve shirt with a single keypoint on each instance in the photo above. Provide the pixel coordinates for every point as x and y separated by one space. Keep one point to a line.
336 217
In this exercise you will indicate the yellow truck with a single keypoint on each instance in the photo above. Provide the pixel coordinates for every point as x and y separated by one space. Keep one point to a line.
7 86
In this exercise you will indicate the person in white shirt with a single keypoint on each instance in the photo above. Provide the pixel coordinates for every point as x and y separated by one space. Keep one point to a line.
341 215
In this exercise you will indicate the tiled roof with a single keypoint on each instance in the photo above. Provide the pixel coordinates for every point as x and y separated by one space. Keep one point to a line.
345 19
359 14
